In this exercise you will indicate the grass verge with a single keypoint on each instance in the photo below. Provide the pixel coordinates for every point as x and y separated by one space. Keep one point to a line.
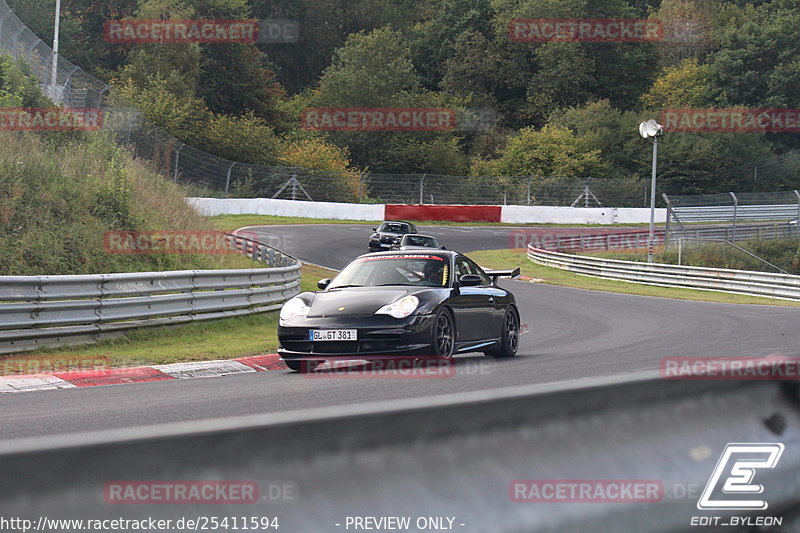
556 276
215 339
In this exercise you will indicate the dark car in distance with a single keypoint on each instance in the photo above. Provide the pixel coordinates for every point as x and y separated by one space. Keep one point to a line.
415 241
401 303
385 235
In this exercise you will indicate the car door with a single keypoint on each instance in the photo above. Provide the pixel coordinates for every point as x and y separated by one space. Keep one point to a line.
494 315
473 306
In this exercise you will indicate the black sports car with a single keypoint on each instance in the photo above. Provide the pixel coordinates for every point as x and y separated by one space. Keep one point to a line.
401 303
386 234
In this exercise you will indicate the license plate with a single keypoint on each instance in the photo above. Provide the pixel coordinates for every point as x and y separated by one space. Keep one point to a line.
333 334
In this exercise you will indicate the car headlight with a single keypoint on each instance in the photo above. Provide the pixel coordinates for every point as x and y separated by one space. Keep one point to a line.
294 307
400 308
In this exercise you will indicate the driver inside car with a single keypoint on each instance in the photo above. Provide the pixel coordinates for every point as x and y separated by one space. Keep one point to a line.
434 272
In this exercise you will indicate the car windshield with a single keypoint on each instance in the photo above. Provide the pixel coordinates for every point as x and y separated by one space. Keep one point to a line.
417 240
375 271
393 227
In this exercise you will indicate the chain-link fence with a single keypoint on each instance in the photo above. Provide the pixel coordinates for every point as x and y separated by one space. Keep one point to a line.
730 230
769 174
779 255
209 175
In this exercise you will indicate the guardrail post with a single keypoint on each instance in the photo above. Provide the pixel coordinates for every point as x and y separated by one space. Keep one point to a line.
735 208
669 216
271 257
421 189
228 178
177 157
797 220
530 178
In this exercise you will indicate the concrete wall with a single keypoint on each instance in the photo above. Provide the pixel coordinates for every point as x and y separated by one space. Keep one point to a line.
289 208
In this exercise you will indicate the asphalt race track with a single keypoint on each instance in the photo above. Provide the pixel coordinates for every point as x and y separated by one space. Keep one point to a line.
335 245
573 333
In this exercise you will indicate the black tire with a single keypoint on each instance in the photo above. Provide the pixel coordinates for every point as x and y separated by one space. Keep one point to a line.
304 367
509 337
444 335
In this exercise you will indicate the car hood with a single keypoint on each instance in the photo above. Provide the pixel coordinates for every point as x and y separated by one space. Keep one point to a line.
354 300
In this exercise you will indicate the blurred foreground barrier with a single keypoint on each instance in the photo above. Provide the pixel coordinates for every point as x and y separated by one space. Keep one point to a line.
784 286
38 311
457 456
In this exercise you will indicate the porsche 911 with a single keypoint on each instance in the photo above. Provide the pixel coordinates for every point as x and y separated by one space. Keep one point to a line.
401 303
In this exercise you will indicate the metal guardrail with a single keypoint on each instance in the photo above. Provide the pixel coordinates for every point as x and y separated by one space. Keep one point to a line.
783 286
587 242
52 311
740 232
727 209
726 213
444 456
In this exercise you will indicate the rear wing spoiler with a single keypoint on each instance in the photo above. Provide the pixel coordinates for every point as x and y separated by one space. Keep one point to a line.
494 274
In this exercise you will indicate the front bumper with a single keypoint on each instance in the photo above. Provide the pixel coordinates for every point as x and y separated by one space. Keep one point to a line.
378 336
377 245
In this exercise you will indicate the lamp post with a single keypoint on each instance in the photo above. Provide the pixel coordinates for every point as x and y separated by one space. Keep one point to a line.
54 67
653 129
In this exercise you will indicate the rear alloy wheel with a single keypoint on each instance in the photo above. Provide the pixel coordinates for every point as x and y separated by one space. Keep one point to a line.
509 339
444 335
304 367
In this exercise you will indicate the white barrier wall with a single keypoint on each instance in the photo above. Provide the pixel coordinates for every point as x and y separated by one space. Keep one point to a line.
288 208
512 214
539 214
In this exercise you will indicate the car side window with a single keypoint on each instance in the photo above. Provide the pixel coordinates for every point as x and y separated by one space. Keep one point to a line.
467 266
461 267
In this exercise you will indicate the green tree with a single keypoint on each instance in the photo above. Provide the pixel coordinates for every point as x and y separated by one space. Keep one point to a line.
757 63
602 127
371 69
552 151
699 163
685 85
324 27
18 86
81 30
375 70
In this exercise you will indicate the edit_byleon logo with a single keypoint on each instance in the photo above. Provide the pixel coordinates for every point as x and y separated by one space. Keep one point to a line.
731 485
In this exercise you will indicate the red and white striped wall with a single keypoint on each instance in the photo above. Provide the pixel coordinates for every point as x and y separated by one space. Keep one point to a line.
512 214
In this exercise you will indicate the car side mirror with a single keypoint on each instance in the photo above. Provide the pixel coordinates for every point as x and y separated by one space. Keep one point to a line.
469 280
374 229
397 240
323 283
443 248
